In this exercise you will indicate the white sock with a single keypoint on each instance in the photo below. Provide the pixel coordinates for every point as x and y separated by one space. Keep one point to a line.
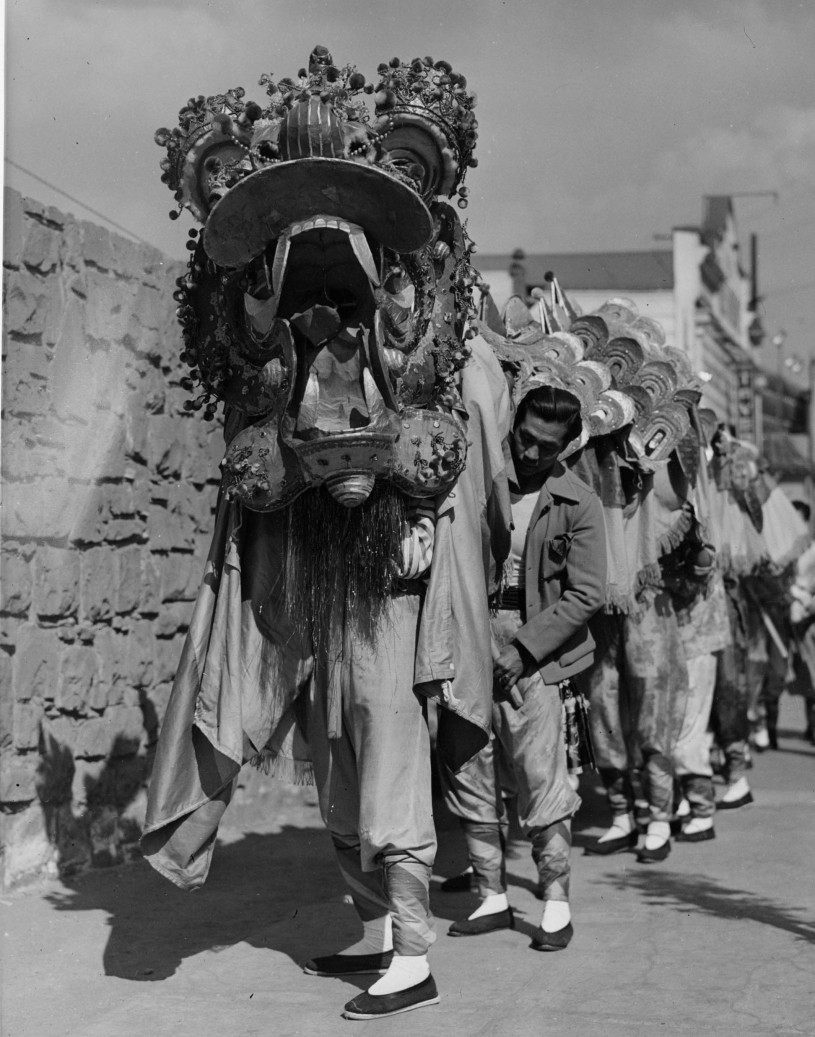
697 824
621 824
406 970
738 789
556 916
491 905
683 809
377 937
659 832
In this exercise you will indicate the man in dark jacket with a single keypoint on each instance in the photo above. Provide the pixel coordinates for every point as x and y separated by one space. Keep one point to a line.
541 641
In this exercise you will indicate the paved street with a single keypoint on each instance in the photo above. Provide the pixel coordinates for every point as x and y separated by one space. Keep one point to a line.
719 940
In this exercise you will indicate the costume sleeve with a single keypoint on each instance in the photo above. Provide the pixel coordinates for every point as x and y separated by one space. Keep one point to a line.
584 585
417 539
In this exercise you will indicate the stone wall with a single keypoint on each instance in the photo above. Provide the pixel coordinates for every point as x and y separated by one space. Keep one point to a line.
109 487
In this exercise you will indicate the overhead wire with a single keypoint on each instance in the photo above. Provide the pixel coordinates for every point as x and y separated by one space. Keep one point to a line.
78 201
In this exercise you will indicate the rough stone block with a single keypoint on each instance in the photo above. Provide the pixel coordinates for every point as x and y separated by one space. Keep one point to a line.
18 778
73 364
128 578
94 738
98 583
10 627
26 302
154 707
26 452
127 725
35 665
179 577
78 675
70 245
27 849
25 378
13 228
41 247
6 702
136 667
97 247
205 448
90 516
43 213
27 718
151 589
168 656
169 529
165 447
39 510
15 583
107 308
130 774
56 587
173 618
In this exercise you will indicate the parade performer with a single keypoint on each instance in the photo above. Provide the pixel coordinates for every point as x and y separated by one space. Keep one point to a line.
541 642
328 305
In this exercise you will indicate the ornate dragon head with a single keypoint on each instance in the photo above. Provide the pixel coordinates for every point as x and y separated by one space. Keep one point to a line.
328 298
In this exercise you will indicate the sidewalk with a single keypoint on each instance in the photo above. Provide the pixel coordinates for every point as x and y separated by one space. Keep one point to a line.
718 940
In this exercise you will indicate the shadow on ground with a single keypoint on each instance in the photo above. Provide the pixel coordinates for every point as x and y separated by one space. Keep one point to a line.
706 896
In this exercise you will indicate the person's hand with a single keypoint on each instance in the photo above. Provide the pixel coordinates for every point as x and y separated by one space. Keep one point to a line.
508 667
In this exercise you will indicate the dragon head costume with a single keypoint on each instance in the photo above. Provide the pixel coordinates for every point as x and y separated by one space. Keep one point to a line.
327 301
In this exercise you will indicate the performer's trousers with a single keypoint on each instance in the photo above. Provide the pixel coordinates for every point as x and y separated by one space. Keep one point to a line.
527 757
374 780
728 718
691 756
639 692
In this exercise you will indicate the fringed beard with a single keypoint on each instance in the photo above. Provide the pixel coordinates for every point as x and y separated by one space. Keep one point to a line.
341 563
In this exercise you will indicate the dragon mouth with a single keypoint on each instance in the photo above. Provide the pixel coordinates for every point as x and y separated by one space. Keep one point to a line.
321 277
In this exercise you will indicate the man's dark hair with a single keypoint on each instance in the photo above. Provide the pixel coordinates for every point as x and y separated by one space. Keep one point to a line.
803 509
551 403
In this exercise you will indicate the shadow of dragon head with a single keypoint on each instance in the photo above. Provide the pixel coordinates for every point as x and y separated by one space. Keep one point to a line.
327 302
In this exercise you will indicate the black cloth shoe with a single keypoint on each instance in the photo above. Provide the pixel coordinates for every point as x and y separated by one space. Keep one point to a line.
348 964
646 856
482 924
733 804
558 941
458 883
695 837
623 842
379 1006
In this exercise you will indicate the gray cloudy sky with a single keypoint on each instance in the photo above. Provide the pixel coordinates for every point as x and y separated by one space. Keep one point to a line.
601 122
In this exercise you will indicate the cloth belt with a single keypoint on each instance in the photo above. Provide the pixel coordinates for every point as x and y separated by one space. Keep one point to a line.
510 599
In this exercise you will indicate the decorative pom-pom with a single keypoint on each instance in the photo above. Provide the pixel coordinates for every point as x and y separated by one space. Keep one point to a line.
395 62
429 62
174 214
385 99
356 81
302 73
462 203
253 111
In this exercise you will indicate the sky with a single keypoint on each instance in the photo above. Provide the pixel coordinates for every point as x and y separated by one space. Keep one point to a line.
602 123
